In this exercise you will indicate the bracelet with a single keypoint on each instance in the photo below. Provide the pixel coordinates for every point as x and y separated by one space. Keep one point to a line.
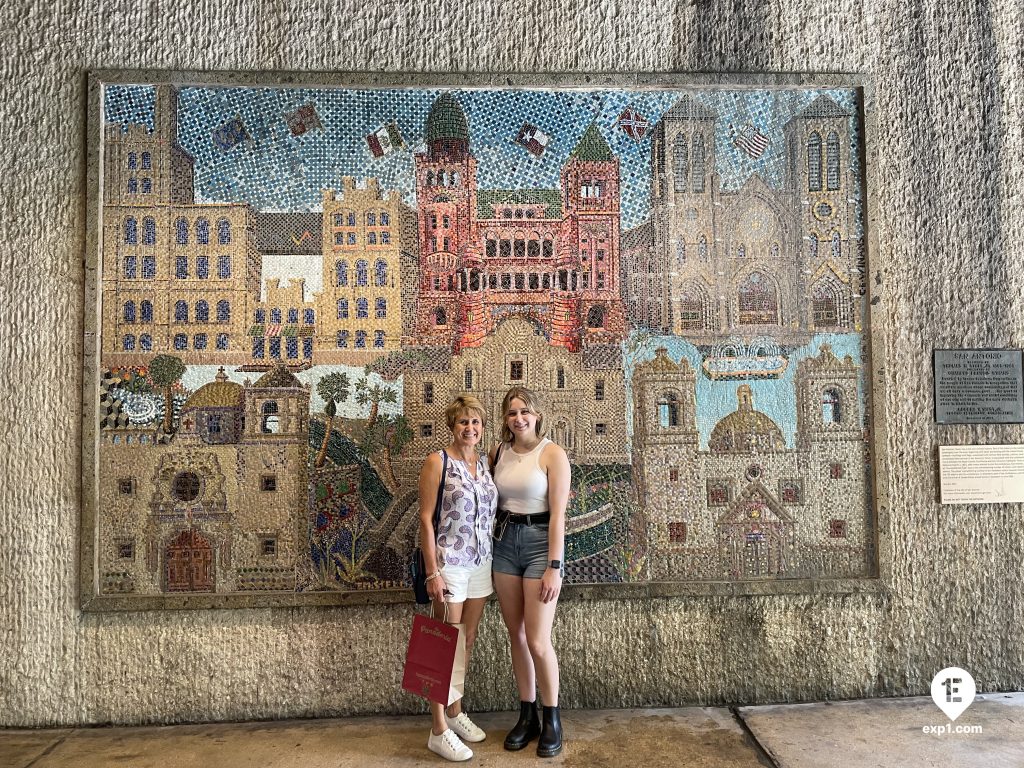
434 575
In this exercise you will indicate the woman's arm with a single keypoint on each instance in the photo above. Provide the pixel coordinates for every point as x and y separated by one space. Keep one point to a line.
430 479
559 476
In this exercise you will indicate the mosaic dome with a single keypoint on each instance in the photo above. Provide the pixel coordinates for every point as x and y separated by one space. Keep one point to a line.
746 429
446 120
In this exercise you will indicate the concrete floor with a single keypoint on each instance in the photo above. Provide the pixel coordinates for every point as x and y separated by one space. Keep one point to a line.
856 734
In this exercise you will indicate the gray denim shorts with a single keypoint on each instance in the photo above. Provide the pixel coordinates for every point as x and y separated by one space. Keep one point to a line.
522 551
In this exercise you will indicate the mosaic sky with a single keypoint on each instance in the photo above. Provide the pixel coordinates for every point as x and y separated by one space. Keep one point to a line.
274 170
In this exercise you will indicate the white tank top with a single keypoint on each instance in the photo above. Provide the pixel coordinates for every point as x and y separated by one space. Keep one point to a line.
522 484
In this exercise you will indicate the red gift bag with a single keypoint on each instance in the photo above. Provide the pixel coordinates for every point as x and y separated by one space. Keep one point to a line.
433 654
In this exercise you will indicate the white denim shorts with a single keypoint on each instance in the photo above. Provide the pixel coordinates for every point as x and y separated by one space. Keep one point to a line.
466 582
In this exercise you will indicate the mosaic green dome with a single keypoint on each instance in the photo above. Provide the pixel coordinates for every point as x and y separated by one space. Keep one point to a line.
446 120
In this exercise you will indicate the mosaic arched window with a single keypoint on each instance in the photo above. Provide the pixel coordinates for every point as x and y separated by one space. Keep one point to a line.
440 317
133 186
832 175
223 311
831 406
371 239
814 163
181 312
595 317
825 305
130 267
361 272
378 339
341 273
146 342
702 248
147 161
343 309
147 185
202 311
430 178
668 410
362 308
129 311
202 231
360 339
148 231
180 342
371 219
271 421
380 310
133 161
146 311
698 162
199 341
691 309
758 302
680 162
223 232
385 219
380 273
837 245
812 245
222 341
131 231
181 232
129 343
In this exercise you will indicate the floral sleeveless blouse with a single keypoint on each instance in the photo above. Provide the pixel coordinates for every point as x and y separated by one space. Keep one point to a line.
467 515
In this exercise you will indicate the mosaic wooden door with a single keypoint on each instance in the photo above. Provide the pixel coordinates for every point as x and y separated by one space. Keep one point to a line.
189 563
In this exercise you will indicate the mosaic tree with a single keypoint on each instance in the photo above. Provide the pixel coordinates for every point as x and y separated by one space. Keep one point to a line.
389 434
374 395
165 371
334 389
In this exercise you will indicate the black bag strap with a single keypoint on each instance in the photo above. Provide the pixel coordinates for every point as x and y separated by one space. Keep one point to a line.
497 454
440 491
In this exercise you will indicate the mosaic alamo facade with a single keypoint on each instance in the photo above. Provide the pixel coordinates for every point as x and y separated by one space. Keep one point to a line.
295 282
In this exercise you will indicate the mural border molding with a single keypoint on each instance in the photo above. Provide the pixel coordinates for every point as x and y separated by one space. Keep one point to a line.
876 312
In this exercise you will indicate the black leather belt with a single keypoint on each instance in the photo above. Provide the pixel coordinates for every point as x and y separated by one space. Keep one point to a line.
538 519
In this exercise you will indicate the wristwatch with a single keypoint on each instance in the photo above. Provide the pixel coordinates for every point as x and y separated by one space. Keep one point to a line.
556 564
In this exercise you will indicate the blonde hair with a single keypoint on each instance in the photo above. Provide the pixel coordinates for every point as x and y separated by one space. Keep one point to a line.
533 405
461 404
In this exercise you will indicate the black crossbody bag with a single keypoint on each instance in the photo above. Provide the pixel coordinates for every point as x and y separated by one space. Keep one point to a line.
417 566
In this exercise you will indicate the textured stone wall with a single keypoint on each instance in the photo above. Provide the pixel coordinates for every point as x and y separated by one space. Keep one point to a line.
949 101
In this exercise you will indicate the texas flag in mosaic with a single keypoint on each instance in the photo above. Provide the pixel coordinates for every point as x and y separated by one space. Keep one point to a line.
750 141
303 119
633 124
533 139
230 134
385 139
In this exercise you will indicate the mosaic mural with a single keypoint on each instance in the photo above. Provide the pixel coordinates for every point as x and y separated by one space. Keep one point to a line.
294 282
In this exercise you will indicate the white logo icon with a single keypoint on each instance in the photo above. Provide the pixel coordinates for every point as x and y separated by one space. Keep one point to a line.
953 691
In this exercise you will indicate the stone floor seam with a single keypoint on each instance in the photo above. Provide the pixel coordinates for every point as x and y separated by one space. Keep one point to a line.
56 743
762 752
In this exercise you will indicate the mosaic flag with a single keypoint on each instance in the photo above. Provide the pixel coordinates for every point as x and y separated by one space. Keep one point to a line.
303 119
633 124
750 141
385 139
298 239
233 132
533 139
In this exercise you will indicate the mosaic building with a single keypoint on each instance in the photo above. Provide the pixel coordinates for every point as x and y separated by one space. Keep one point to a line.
218 507
360 309
551 255
178 277
750 506
754 261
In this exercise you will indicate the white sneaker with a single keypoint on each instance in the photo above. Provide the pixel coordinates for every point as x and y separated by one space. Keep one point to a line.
465 728
449 746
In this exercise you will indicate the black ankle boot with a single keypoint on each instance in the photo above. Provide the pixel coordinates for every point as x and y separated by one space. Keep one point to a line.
550 743
527 729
